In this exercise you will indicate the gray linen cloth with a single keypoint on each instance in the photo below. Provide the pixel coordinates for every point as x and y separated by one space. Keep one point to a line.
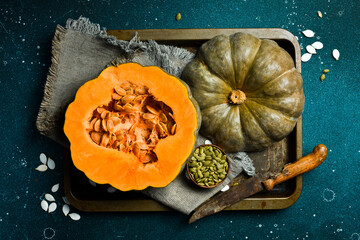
79 53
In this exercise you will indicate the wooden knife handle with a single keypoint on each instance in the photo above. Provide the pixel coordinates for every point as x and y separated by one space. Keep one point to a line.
304 164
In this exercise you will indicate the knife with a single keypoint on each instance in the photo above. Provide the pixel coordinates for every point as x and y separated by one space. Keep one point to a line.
260 182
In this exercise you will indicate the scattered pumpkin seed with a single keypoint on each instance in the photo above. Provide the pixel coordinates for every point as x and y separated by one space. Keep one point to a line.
336 54
41 168
66 209
178 16
326 71
74 216
225 188
49 197
51 164
208 142
55 188
322 77
43 158
52 207
317 45
44 205
310 49
308 33
306 57
319 14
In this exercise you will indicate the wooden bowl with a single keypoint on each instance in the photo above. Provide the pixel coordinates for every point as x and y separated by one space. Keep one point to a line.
217 184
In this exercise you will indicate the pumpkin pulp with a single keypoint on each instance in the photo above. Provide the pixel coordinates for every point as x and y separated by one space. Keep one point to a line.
132 122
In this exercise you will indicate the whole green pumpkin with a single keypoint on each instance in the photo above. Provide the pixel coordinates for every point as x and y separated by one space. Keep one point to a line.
249 92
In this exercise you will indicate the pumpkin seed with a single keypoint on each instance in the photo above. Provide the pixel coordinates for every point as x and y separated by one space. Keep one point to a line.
41 168
43 158
322 77
141 91
55 188
225 188
319 14
115 96
44 205
52 207
308 33
208 157
118 107
97 125
120 90
173 129
74 216
306 57
336 54
66 209
317 45
202 184
104 114
51 164
326 71
163 117
178 17
49 197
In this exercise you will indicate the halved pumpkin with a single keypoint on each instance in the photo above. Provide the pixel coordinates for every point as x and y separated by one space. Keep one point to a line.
132 127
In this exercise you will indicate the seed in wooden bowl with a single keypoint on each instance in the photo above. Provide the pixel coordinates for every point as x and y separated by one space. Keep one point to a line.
208 166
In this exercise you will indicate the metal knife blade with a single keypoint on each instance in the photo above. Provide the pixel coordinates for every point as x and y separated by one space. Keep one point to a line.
258 183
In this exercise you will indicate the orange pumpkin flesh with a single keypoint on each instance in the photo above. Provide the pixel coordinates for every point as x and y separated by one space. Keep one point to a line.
123 169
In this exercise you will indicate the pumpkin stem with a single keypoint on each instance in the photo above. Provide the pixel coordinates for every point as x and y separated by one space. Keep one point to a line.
237 97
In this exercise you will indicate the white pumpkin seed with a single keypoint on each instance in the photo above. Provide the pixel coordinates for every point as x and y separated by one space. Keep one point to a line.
208 142
66 209
74 216
319 14
310 49
55 188
92 183
43 158
65 200
49 197
308 33
225 188
306 57
52 207
44 205
317 45
51 164
336 54
41 168
111 190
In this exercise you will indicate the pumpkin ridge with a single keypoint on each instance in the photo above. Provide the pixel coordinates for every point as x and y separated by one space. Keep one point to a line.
213 72
272 80
251 65
219 124
258 123
289 119
256 100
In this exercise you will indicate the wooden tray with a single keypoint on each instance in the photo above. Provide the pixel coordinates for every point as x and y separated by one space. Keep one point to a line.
83 196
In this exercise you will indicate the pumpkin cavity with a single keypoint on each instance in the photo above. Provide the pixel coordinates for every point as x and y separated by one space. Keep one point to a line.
132 122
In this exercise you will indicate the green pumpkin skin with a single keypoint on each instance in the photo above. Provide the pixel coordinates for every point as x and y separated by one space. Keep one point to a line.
261 70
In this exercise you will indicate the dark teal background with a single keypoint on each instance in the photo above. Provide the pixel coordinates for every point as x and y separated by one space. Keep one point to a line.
331 117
